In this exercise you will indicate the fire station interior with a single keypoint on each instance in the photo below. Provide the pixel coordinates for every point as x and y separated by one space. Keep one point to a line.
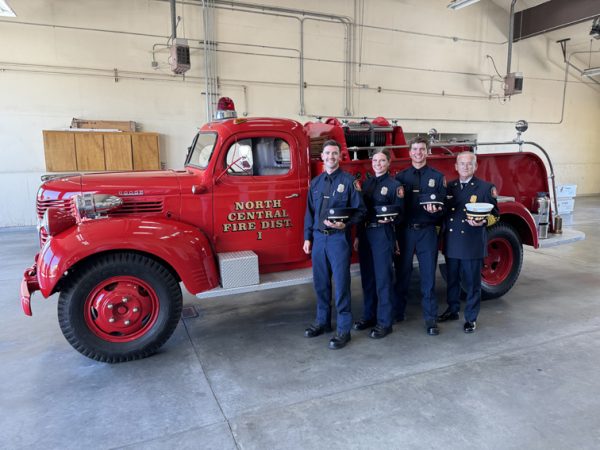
114 87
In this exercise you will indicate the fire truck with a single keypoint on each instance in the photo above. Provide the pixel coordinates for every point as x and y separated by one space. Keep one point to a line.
116 247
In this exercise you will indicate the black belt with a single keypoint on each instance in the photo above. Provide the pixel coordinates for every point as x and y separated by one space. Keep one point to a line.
418 226
377 225
329 232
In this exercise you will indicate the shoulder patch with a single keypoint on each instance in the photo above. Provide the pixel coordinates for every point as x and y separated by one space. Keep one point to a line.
400 191
357 185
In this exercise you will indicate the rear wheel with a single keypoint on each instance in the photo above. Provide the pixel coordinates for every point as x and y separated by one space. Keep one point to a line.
120 307
502 266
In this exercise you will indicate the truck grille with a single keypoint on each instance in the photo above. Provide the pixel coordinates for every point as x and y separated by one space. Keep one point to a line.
43 205
130 206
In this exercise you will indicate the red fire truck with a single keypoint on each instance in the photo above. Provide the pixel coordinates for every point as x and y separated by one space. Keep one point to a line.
116 246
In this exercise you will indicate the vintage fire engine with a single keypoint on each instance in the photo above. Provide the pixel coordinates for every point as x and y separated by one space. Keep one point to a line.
116 246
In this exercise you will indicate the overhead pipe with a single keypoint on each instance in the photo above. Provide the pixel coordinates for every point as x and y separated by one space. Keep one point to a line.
511 32
173 20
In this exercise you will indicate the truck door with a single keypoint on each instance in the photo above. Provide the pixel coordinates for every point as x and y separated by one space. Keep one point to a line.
257 198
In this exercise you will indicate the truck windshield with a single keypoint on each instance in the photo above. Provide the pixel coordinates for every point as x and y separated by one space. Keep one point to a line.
202 150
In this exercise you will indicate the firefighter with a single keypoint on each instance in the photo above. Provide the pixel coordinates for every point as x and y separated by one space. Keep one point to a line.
465 240
425 190
329 243
375 244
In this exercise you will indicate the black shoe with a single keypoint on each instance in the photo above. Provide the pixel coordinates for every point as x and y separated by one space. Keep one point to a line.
469 327
433 330
339 341
316 330
363 324
380 332
447 315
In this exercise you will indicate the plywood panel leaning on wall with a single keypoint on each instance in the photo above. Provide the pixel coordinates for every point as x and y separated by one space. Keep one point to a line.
145 151
59 150
89 148
117 151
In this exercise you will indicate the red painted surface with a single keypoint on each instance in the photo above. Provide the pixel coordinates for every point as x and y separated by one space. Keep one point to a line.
179 245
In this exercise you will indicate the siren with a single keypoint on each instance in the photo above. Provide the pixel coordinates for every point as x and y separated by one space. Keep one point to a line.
225 109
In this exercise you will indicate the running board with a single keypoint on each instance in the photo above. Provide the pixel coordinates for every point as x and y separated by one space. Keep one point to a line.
568 236
273 281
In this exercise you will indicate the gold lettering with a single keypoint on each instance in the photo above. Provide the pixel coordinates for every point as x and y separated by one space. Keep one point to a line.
231 217
226 227
276 203
258 205
239 205
268 214
250 215
259 237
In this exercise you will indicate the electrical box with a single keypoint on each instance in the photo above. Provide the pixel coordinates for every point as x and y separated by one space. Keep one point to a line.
513 83
180 56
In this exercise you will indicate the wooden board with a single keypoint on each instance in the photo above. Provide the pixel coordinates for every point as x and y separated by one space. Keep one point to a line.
89 148
145 151
117 151
103 124
59 150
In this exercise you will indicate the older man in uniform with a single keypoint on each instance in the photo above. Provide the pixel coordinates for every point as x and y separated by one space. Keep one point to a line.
330 244
465 240
418 234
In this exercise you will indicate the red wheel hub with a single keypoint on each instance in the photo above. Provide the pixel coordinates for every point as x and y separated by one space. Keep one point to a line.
498 263
121 309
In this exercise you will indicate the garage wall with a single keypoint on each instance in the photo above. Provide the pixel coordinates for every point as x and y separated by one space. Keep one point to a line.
57 61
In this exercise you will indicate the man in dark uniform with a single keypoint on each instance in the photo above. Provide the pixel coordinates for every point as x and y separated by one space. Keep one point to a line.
330 244
465 240
375 243
418 234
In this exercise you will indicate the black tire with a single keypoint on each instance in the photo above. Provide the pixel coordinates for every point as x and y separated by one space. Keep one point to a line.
498 278
143 297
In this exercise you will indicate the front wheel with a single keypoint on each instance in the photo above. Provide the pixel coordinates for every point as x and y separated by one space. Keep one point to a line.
119 307
502 266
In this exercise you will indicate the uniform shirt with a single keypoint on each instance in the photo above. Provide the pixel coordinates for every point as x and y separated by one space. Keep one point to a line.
461 240
339 187
421 181
382 190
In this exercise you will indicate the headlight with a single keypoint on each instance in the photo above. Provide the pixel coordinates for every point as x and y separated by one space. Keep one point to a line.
56 221
93 205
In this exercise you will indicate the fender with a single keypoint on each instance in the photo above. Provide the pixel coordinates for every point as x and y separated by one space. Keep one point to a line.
519 217
185 248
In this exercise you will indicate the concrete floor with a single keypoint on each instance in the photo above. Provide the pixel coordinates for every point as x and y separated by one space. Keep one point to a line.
240 375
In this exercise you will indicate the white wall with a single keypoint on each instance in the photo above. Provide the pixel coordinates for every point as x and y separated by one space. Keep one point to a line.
50 74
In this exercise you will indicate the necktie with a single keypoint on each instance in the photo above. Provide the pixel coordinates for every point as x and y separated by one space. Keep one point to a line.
462 185
323 213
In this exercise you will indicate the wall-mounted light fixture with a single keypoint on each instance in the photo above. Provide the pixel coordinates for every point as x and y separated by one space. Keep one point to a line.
595 31
5 10
458 4
591 72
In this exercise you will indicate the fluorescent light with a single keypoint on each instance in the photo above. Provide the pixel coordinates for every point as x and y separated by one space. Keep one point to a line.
6 10
591 72
457 4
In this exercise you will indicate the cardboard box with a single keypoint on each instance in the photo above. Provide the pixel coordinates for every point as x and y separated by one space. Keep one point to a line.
565 205
566 190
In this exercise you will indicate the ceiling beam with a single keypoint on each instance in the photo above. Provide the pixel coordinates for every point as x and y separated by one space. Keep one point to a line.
553 15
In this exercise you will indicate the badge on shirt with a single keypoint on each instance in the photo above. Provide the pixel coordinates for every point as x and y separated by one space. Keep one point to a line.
400 192
384 190
431 182
340 188
473 199
356 185
494 192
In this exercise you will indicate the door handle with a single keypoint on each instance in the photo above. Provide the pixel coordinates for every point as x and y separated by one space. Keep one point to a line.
292 196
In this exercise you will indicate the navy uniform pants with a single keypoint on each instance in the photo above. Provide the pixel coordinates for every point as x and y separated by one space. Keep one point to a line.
331 256
469 272
376 250
424 243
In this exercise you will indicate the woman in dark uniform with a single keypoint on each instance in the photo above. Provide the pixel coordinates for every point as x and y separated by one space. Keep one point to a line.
375 244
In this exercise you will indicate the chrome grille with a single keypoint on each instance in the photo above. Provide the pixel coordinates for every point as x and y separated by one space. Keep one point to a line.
43 205
131 206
